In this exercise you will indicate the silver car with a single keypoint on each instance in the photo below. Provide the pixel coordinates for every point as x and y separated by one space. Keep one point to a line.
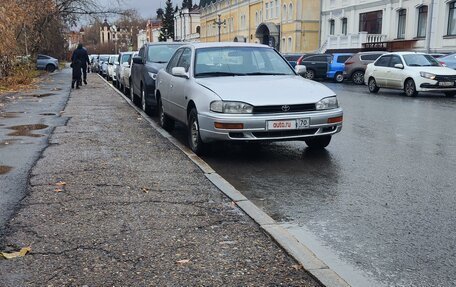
243 92
123 73
47 63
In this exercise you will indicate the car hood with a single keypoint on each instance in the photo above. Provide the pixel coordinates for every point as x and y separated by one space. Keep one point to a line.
267 90
444 71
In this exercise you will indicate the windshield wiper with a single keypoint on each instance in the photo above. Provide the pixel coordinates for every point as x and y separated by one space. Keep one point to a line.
414 65
159 62
217 74
265 74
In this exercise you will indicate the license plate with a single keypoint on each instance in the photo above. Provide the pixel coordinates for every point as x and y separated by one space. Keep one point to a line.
297 124
446 84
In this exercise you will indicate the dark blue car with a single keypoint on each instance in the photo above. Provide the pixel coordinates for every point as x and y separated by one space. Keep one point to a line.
336 66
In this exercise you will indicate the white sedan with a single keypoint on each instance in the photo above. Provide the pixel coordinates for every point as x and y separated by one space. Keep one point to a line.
412 72
243 92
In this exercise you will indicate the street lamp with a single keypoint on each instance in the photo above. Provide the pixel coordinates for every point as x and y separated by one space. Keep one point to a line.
219 23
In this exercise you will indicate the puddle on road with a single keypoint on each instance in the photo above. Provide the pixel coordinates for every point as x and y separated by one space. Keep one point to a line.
5 169
26 130
41 95
48 114
6 143
10 115
56 89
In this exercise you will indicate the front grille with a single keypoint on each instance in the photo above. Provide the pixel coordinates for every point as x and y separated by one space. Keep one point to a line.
284 109
445 78
279 134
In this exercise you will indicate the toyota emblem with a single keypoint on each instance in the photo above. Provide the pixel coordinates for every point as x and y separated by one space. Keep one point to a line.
285 108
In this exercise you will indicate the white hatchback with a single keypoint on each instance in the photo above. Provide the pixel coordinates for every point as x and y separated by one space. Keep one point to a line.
412 72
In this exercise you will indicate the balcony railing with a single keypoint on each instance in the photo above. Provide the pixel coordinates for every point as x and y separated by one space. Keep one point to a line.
351 41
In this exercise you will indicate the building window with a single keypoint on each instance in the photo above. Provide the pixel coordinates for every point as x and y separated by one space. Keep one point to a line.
256 18
290 44
332 27
371 22
452 19
422 21
290 12
344 26
284 47
277 8
401 24
284 13
267 10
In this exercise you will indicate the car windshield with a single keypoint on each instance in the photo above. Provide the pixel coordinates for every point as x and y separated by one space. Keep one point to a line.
126 58
161 53
104 58
239 61
420 60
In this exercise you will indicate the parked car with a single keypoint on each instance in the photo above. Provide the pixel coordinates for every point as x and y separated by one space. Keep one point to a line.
126 75
292 58
317 65
449 61
111 75
412 72
47 63
336 66
94 64
355 66
124 58
229 92
151 58
103 65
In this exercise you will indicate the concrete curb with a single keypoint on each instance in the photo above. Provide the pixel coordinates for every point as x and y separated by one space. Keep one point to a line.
301 253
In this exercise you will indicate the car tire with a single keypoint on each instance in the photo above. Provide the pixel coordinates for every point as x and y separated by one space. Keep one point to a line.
309 74
144 106
410 88
339 78
358 77
318 142
193 132
50 68
450 94
132 93
165 121
372 85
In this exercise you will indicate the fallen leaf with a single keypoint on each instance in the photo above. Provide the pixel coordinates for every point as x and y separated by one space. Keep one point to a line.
145 190
297 266
11 255
60 183
183 261
58 190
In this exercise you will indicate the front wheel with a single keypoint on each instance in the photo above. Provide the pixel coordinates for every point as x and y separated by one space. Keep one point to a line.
165 121
358 77
309 74
50 68
132 93
144 106
339 78
318 142
373 88
194 137
410 88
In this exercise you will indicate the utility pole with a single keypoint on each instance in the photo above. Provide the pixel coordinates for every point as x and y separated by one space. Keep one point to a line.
429 27
219 23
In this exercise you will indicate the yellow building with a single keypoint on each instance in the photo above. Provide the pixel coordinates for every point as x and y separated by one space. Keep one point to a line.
291 26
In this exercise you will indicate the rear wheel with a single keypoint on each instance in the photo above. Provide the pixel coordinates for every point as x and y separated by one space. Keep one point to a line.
450 94
50 68
339 78
309 74
165 121
318 142
144 106
410 89
373 88
132 93
358 77
194 137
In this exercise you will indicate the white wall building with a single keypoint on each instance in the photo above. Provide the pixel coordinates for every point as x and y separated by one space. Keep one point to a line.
187 25
142 38
421 25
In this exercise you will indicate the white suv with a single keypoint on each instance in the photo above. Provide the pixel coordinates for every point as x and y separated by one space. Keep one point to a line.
412 72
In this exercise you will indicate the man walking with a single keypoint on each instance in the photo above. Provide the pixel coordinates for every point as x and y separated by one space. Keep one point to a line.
81 54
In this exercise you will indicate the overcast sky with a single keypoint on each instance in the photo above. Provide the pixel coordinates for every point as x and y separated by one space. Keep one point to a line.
148 8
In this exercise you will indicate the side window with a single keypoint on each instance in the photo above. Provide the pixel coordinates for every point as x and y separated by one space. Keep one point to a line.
317 59
174 60
342 59
41 57
383 61
185 59
370 57
395 60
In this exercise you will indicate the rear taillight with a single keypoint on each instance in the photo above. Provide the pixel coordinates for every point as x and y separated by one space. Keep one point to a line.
349 63
443 64
299 61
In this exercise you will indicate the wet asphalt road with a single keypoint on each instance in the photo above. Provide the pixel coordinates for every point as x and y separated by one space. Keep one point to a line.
378 204
26 121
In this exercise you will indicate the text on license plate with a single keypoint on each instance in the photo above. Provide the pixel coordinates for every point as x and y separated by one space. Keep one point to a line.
446 84
297 124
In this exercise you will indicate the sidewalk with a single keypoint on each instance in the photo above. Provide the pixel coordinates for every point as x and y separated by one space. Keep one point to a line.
133 210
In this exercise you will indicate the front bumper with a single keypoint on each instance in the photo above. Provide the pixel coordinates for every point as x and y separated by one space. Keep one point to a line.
255 126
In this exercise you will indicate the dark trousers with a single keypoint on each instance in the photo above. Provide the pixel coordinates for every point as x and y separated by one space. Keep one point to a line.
84 72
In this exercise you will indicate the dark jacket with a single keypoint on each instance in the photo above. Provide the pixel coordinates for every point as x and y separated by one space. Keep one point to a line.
81 55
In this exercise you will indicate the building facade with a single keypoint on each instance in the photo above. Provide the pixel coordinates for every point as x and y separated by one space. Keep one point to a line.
187 25
290 26
421 25
119 36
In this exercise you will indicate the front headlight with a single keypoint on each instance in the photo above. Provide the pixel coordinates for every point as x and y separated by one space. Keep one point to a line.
427 75
231 107
153 76
327 103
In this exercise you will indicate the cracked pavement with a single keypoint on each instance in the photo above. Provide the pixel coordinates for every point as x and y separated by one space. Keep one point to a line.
132 211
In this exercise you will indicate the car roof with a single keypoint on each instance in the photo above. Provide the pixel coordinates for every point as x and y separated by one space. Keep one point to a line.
405 53
225 44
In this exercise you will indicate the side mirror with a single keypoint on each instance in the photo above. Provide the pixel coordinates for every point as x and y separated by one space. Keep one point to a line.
138 60
399 66
180 72
300 69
